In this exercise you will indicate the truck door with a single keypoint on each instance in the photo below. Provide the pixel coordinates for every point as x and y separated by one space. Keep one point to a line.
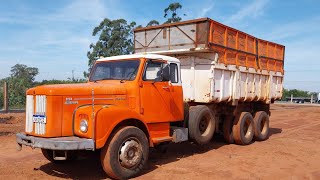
176 101
155 93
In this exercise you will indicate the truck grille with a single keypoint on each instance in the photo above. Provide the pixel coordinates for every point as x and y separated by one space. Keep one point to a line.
36 107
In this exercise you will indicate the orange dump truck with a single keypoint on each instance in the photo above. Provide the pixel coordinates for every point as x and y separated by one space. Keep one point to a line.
185 82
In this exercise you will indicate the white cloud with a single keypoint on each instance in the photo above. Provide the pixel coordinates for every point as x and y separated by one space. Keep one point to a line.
253 10
302 28
56 41
81 10
205 10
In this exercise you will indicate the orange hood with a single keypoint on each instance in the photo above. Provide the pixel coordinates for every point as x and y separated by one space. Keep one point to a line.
100 88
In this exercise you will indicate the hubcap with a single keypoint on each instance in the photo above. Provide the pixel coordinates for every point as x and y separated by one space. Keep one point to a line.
130 153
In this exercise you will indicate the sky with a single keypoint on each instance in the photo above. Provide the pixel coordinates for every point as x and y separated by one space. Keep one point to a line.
54 36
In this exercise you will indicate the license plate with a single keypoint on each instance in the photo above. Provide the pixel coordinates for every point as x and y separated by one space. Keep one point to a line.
39 119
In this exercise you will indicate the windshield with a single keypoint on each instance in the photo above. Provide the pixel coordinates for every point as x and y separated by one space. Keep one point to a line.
119 70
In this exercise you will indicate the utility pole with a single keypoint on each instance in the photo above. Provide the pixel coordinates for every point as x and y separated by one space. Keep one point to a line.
311 101
291 98
5 97
72 75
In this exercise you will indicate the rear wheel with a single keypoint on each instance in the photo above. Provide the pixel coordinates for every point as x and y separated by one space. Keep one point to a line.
227 129
243 129
261 126
201 124
126 154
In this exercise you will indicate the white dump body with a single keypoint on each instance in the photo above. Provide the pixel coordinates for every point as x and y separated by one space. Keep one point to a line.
204 80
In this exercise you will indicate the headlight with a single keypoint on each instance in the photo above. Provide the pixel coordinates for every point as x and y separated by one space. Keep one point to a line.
84 126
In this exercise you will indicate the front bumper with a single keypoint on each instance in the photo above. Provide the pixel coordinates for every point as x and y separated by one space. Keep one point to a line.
61 143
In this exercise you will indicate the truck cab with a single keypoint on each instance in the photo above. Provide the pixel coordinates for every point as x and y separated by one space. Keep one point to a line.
141 91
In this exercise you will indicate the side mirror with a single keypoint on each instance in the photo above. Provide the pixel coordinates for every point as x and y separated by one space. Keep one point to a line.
166 73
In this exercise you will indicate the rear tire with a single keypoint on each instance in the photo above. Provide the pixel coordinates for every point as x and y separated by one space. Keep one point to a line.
126 154
201 124
243 129
227 129
261 126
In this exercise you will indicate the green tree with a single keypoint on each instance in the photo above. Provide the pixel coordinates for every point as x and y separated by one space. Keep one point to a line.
115 38
21 79
172 8
22 71
153 23
286 93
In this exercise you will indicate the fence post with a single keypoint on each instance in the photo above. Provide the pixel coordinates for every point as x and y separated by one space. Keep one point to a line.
5 97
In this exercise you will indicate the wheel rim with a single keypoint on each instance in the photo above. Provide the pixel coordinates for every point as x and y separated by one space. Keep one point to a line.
130 153
204 124
247 128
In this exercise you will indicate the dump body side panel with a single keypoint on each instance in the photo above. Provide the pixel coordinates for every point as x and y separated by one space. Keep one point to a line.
205 81
202 35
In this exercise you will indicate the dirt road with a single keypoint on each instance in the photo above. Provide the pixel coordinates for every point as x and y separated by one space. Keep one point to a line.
291 152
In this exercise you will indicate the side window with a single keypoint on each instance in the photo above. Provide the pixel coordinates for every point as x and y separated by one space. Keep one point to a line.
153 71
174 73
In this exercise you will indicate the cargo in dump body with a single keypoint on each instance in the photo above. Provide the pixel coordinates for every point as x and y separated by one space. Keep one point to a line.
218 63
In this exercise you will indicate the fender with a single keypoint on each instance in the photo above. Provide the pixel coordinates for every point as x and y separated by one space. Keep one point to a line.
86 112
108 117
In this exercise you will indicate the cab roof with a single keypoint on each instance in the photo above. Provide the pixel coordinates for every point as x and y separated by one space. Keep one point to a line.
138 56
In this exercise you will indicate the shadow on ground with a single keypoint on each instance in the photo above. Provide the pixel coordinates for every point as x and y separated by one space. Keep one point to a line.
273 131
89 167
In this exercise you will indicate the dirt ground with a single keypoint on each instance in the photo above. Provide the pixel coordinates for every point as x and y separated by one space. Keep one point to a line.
291 152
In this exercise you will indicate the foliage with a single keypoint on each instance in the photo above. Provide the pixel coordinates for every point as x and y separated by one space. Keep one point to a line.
286 93
153 23
295 93
115 38
21 78
172 8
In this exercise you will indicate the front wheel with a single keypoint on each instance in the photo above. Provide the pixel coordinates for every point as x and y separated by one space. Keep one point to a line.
126 154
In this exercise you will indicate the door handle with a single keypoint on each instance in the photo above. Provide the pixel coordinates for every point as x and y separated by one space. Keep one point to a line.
165 87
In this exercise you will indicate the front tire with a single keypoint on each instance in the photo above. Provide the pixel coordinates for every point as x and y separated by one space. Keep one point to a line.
126 154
